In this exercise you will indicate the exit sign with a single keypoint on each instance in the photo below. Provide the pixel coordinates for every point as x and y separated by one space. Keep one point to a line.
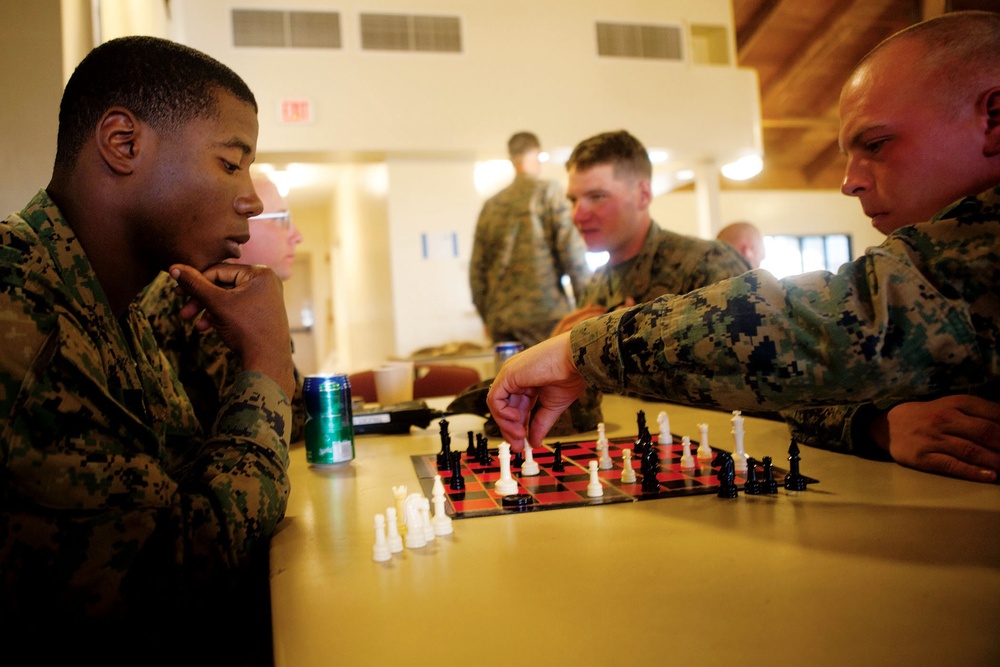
296 112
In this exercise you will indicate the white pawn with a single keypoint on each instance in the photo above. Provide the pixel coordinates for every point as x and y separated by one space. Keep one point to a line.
441 521
415 538
665 436
395 539
628 472
530 466
594 489
380 552
687 461
704 450
506 485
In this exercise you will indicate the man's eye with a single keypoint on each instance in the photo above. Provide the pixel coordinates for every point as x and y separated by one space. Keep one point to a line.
874 146
229 166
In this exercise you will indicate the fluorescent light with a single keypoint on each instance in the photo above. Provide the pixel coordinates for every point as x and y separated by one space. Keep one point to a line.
745 168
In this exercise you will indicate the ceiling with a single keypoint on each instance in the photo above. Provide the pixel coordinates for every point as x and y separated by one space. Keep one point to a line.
803 51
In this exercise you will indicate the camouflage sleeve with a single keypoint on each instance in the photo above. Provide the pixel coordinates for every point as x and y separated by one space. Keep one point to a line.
567 247
880 327
826 428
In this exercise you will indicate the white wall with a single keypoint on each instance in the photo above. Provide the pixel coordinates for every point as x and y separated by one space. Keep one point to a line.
31 81
525 64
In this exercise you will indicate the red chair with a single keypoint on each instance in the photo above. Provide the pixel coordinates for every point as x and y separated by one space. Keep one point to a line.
431 380
441 380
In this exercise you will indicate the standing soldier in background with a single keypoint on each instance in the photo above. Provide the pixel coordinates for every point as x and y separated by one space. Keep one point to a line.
206 366
525 243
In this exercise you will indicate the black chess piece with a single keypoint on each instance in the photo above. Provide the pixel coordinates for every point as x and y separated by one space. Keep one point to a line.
751 487
794 481
650 466
769 485
457 482
444 456
558 465
517 460
727 477
470 451
483 457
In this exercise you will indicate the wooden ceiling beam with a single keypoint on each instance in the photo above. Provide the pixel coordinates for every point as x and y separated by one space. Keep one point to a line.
823 161
750 31
826 41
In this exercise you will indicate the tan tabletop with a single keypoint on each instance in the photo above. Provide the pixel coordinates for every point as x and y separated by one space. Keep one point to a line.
875 565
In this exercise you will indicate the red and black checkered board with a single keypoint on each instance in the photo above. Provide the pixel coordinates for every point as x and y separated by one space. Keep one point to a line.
555 490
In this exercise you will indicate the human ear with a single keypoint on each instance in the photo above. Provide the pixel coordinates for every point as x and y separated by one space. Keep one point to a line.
990 107
645 193
117 134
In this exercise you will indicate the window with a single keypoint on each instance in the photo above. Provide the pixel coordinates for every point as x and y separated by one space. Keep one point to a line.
791 255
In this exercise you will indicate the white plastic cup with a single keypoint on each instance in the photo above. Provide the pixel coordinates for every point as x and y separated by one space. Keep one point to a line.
394 383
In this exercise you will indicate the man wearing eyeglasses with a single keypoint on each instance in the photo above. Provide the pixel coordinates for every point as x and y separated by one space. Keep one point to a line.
204 364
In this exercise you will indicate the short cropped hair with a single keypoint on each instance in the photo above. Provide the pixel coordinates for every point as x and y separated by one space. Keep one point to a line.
963 47
521 143
620 149
163 83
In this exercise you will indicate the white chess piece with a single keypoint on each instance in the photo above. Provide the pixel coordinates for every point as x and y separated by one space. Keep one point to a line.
441 521
594 489
666 438
687 461
602 438
530 466
394 539
380 552
415 538
628 472
425 518
704 449
506 485
399 494
604 462
739 455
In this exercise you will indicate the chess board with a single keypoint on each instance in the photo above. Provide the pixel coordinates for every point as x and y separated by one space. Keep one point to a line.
555 490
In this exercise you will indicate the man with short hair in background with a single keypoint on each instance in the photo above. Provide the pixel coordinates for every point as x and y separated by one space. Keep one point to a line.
747 240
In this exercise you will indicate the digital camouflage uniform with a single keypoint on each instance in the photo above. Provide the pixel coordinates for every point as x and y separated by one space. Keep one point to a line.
668 263
114 504
205 364
525 242
917 316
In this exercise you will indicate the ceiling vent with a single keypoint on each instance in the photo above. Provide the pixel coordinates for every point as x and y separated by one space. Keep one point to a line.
285 29
403 32
639 41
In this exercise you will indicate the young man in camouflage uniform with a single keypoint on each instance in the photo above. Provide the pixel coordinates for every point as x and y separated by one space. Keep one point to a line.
123 527
524 244
915 318
206 366
610 191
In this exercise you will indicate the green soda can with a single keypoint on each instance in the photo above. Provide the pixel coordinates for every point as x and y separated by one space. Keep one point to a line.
329 420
